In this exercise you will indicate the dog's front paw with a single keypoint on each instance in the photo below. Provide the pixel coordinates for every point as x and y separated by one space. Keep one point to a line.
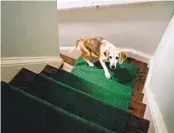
90 64
107 75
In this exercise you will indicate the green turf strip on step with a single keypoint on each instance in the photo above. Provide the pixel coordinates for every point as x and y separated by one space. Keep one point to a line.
125 73
79 103
25 113
116 94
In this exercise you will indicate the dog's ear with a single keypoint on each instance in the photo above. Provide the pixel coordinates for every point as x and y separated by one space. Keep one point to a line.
106 53
122 57
108 56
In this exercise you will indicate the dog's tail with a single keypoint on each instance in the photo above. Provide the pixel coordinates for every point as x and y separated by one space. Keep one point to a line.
75 45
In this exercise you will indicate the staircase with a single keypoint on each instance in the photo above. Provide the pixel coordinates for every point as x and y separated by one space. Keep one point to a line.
43 103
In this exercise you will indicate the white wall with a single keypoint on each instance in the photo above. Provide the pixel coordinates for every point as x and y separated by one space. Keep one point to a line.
29 28
161 82
139 26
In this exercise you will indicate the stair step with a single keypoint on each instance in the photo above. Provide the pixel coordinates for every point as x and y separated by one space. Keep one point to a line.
137 108
137 96
23 78
139 85
137 123
68 59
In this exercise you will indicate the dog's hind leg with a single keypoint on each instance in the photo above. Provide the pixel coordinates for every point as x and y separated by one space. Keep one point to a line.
94 55
89 62
86 57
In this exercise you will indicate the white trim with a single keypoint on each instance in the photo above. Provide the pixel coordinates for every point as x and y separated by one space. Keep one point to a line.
66 48
156 114
138 55
10 66
153 106
12 61
77 4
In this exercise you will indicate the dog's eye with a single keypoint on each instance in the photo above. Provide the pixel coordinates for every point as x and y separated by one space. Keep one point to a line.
110 57
117 58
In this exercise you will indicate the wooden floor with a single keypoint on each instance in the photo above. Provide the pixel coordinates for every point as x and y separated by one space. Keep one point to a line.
137 107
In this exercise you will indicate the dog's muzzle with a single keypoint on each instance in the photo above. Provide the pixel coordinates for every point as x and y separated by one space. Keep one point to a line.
113 66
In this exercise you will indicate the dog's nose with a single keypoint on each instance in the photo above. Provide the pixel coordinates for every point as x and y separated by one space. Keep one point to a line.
113 66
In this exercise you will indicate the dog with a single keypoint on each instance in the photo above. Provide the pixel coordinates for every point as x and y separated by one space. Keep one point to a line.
99 49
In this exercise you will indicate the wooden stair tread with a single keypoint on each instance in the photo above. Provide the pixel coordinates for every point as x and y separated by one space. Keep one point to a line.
139 85
137 96
137 108
68 59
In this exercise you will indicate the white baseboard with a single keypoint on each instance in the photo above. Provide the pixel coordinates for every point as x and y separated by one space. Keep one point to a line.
138 55
155 112
13 61
10 66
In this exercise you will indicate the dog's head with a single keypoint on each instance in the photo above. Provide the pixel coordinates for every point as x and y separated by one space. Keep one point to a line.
115 57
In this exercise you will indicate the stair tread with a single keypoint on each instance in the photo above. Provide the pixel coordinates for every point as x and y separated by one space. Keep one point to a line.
22 78
137 96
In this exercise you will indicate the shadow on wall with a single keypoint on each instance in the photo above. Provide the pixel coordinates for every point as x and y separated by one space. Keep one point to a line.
139 26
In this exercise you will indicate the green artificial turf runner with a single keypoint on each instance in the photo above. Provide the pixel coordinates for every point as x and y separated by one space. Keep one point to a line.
121 83
116 95
79 103
23 112
125 73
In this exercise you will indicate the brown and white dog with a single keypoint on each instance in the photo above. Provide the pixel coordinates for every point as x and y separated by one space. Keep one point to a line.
99 49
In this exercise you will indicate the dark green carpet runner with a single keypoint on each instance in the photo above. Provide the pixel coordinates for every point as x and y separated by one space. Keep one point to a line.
79 103
24 113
